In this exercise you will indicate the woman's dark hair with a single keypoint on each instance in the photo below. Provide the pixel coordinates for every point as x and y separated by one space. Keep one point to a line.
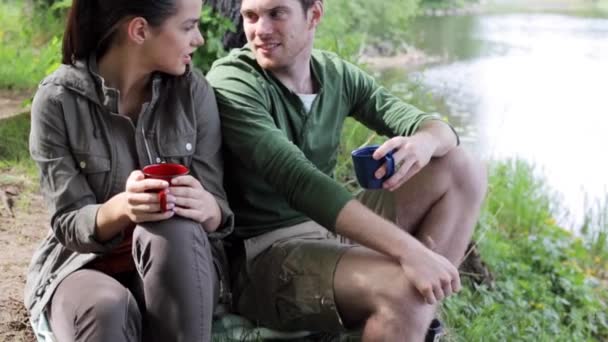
91 24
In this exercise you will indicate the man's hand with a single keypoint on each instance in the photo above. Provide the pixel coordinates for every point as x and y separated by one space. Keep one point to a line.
410 153
194 202
433 275
142 198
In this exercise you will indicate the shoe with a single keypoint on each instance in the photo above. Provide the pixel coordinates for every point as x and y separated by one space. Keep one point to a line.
435 331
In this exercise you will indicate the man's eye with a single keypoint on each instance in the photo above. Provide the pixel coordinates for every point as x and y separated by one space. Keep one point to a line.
277 14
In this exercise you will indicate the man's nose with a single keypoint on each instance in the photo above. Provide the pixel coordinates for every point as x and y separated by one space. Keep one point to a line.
264 26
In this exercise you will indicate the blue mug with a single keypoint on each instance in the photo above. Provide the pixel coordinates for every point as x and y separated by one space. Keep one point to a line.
366 166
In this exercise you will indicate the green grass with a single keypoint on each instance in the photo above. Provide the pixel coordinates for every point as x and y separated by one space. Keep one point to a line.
548 284
30 44
14 154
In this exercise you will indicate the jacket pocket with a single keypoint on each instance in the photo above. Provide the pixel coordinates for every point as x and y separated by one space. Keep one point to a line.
96 169
178 149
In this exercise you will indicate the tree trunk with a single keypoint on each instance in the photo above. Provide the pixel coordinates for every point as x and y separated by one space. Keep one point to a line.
231 10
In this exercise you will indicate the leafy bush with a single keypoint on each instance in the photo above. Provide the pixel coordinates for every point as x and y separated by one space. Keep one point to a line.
213 27
350 24
546 288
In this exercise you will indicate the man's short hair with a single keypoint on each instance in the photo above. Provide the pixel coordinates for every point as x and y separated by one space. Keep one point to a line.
306 4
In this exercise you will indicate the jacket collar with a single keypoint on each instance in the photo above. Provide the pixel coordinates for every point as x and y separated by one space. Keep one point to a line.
83 78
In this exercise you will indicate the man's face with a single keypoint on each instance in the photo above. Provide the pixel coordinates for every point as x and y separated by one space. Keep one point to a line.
278 31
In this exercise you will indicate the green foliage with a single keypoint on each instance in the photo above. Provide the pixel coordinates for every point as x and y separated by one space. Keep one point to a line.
29 52
546 288
213 27
366 22
446 3
14 135
595 229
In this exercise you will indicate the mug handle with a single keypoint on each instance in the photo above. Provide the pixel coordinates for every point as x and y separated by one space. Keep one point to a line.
390 166
162 199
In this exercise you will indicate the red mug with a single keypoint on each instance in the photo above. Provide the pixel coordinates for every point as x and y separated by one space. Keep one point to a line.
165 172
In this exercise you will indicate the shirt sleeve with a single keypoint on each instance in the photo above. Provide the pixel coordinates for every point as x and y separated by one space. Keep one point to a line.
378 109
72 203
252 136
207 163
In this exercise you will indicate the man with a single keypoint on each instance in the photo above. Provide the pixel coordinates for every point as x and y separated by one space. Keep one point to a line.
282 106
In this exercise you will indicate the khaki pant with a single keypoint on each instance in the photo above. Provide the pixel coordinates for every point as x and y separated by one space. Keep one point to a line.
284 279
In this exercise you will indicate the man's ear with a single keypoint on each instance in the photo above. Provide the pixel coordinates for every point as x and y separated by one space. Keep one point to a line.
315 13
138 30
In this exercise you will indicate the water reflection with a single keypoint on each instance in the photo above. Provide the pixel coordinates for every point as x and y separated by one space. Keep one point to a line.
526 85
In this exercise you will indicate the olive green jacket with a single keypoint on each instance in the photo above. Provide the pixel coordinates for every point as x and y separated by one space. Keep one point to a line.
85 151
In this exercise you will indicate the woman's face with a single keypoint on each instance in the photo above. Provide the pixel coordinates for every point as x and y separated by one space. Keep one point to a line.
171 45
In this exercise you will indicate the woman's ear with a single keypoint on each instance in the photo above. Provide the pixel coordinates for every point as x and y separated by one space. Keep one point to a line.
138 30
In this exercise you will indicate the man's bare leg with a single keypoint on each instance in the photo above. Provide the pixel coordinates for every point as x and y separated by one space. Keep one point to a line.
441 203
440 206
372 292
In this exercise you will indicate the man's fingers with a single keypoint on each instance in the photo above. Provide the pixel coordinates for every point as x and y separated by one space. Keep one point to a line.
388 146
456 285
429 295
398 178
446 286
438 292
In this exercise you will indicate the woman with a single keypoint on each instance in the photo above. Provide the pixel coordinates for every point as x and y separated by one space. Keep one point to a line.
113 267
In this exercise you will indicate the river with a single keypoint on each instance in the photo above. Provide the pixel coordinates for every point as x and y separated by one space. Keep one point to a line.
525 85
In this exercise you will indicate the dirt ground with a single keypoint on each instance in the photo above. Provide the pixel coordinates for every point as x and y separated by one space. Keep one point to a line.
23 224
12 102
19 236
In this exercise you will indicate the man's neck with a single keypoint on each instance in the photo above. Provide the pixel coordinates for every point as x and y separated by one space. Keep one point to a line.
297 76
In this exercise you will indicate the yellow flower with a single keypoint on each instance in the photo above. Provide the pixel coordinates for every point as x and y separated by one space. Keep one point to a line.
538 306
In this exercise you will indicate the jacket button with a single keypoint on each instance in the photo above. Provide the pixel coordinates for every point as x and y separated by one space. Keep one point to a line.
188 146
83 164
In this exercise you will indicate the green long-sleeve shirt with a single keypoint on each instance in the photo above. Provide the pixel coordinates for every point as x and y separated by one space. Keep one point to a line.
280 158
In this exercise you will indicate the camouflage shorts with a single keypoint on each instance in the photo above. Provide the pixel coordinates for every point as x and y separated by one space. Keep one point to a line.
289 285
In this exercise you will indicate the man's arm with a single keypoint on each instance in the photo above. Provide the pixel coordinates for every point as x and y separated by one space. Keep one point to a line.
251 135
432 274
416 136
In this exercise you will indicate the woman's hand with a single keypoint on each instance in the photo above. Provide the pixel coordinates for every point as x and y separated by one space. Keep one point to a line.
142 198
194 202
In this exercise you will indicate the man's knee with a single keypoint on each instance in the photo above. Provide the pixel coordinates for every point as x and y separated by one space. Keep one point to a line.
398 304
466 173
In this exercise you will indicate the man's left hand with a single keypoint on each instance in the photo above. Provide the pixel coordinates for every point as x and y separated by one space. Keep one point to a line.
411 154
